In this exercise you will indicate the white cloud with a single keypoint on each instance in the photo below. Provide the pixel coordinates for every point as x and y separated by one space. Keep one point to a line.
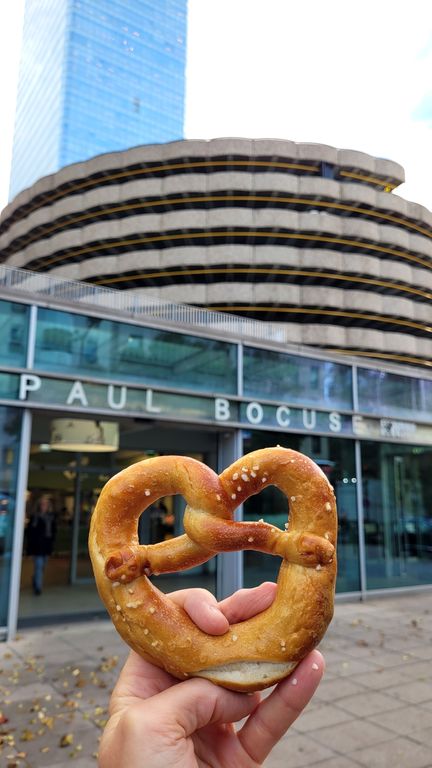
349 75
337 72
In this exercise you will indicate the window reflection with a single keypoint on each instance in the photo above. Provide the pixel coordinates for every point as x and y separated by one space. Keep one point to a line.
388 394
296 379
336 459
13 331
90 345
397 498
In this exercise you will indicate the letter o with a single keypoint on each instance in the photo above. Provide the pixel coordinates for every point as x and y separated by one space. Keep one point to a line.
254 413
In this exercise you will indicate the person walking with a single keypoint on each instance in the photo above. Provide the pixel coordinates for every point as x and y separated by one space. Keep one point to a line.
40 537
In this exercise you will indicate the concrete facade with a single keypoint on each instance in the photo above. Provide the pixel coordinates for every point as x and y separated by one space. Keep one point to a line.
302 234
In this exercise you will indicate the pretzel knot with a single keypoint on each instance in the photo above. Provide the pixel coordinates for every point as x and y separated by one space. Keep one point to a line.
252 654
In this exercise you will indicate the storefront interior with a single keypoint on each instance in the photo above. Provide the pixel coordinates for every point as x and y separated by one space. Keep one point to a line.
71 482
396 500
193 391
395 492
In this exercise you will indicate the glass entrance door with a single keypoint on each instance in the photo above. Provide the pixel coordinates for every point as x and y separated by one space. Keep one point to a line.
56 574
89 480
397 514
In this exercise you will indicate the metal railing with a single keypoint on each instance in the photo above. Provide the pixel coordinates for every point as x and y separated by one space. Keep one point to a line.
47 287
36 286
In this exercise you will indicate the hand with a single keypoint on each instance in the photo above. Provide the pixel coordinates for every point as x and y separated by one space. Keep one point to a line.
156 721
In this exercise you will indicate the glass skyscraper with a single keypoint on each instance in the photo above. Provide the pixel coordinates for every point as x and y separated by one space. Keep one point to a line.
96 76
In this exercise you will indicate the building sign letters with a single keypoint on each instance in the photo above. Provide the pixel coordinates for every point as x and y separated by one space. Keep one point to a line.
102 397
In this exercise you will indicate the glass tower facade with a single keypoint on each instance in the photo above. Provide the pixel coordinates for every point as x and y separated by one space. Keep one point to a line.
96 76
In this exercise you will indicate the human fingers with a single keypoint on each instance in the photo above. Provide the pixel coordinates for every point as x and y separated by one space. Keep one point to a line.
138 679
277 713
157 732
196 703
141 679
213 617
202 607
245 603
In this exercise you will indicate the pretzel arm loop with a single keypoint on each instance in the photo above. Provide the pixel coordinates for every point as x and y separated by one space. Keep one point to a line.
177 554
227 535
123 565
306 549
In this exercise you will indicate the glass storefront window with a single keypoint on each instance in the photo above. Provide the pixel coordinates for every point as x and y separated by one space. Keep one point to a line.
72 483
104 348
294 379
397 499
10 429
9 386
13 329
336 458
388 394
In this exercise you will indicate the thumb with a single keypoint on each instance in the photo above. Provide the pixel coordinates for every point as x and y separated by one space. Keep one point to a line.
195 703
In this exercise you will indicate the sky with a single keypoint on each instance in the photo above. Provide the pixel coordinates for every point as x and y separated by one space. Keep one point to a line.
354 75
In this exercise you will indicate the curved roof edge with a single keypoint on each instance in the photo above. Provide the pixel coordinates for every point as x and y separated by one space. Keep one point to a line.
353 160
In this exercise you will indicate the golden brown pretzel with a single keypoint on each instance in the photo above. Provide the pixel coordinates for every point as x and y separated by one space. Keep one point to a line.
253 654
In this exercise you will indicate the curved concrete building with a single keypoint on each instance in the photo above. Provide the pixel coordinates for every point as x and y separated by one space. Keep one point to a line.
301 234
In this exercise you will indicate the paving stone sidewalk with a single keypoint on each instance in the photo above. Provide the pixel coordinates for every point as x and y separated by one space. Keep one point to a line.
373 708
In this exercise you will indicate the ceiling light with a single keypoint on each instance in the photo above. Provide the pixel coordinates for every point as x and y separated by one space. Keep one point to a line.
82 435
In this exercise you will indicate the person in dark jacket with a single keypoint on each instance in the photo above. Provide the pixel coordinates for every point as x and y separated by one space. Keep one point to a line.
40 536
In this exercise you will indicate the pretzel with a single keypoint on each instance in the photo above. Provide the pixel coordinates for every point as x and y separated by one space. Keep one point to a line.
252 654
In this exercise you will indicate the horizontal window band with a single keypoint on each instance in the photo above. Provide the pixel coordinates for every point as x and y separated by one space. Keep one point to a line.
255 274
210 201
106 178
210 237
370 353
123 175
345 318
368 179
